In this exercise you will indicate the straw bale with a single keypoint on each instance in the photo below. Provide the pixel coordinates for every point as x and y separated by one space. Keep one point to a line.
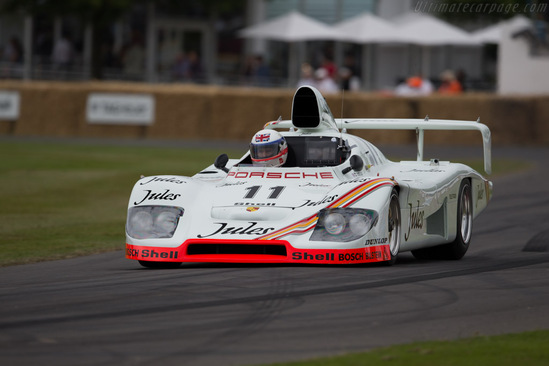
541 123
6 127
362 105
187 111
467 108
49 109
512 120
237 113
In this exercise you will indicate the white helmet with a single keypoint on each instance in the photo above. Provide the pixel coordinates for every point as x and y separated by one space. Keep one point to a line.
268 148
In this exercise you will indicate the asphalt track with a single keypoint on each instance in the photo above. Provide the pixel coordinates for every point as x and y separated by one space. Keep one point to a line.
106 310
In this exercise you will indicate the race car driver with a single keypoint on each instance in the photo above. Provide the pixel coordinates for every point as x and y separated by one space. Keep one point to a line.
268 149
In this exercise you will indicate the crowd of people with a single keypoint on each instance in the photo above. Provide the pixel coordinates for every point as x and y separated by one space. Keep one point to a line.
330 79
60 55
417 85
64 56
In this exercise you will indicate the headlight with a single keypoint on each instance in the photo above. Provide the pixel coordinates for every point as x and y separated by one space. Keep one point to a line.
141 223
360 224
166 222
334 223
343 224
146 222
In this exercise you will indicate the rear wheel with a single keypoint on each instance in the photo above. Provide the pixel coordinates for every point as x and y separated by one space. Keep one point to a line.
458 248
160 265
393 227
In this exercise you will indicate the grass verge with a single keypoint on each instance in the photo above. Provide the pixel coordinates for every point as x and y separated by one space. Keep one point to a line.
61 200
529 348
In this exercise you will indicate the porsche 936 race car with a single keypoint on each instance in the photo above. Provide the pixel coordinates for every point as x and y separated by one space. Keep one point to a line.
335 200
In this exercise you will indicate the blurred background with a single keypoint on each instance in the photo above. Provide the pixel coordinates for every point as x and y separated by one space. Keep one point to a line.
221 69
390 46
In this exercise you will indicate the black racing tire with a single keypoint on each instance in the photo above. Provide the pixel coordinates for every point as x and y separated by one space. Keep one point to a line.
394 223
160 265
456 249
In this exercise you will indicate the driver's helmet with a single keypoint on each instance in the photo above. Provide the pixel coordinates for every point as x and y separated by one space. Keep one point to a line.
268 148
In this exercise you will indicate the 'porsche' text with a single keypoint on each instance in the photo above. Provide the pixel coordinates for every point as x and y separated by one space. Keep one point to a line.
280 175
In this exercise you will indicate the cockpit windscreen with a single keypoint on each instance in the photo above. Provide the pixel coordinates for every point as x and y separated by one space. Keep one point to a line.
323 152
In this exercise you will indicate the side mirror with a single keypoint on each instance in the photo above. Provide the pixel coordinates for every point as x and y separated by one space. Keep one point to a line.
356 163
221 162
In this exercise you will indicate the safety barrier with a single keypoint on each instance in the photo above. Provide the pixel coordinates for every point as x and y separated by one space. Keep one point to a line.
196 112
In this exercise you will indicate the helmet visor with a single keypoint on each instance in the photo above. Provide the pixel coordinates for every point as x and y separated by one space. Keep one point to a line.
265 151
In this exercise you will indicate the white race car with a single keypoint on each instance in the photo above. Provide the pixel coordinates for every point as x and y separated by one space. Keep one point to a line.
335 200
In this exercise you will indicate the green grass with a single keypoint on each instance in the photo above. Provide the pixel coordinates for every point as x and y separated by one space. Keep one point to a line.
60 200
63 200
528 348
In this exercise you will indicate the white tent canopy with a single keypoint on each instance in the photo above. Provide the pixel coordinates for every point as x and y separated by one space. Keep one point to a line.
492 33
426 30
291 27
368 28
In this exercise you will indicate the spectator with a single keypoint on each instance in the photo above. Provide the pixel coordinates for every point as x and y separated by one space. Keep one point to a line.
256 72
195 68
414 86
13 52
260 71
348 75
329 65
449 84
180 67
133 58
12 56
325 83
169 50
306 75
43 47
63 54
248 69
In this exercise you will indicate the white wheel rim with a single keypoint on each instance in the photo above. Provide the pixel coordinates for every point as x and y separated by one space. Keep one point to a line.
466 214
394 227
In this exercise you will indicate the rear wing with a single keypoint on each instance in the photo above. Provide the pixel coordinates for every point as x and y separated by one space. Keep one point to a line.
419 125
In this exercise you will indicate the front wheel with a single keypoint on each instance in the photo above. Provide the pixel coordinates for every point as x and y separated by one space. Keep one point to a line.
393 227
160 265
